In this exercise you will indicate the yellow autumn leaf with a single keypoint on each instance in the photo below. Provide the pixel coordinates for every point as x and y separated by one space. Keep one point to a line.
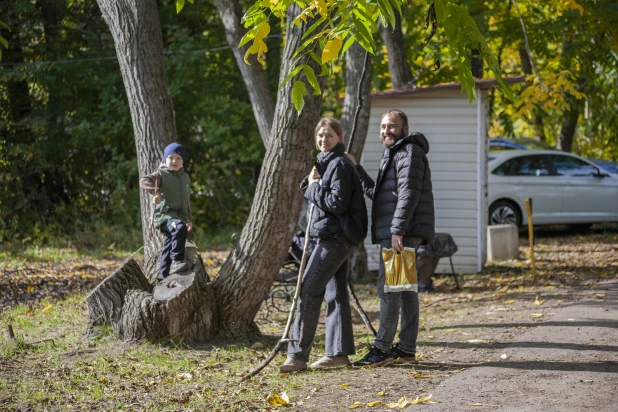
103 380
382 393
536 315
574 6
537 301
30 288
419 376
322 8
344 385
48 307
374 403
425 399
508 302
275 399
356 405
331 49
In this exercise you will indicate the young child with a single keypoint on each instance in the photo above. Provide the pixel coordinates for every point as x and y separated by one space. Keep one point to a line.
170 186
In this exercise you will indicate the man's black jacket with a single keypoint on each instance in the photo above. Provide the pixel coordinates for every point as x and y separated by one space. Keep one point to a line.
402 194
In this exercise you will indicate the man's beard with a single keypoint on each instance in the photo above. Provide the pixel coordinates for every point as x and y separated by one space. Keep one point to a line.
390 140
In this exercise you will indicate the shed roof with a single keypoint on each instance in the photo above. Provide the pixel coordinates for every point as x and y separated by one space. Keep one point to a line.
480 83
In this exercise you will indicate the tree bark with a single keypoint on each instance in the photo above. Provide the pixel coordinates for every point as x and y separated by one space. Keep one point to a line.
253 75
355 59
180 306
134 25
569 125
398 66
228 305
476 64
255 260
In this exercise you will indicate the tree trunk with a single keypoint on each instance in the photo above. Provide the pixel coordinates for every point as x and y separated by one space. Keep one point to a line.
181 306
195 309
134 25
476 64
398 66
253 75
254 262
355 59
569 126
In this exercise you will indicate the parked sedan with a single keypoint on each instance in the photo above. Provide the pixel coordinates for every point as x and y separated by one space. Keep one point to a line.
526 143
564 188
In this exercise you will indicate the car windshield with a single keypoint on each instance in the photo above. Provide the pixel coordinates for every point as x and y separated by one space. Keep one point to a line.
518 143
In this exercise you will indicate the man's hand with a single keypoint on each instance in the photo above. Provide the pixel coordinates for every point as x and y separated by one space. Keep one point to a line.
156 199
314 176
349 156
189 226
397 243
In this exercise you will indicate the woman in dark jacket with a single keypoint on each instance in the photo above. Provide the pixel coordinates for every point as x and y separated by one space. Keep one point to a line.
339 223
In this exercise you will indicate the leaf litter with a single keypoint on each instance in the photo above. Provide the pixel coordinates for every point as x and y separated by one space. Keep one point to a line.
568 268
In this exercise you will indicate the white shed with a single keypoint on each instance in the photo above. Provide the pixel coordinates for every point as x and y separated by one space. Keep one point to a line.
457 134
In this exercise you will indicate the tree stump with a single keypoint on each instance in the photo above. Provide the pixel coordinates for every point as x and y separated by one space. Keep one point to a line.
178 307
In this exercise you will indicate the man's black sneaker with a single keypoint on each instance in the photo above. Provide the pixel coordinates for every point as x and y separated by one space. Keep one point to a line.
397 353
374 357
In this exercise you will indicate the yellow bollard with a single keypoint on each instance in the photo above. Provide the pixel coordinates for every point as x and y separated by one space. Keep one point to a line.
530 233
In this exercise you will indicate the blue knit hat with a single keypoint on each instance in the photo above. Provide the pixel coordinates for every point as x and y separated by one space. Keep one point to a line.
174 148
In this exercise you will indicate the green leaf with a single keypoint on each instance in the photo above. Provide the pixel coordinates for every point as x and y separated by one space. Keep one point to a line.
3 24
293 73
347 44
248 36
179 5
313 27
387 11
4 42
313 81
364 34
299 91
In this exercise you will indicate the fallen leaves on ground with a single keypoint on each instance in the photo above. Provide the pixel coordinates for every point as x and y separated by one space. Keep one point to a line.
275 399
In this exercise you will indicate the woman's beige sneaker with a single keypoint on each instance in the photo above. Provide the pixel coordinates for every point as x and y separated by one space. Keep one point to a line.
331 362
292 365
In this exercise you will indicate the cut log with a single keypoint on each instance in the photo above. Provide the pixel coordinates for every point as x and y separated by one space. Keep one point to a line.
178 307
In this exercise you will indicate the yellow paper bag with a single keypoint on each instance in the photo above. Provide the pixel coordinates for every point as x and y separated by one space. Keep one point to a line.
400 270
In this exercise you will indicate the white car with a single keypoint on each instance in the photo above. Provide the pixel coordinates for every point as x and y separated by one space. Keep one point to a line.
564 188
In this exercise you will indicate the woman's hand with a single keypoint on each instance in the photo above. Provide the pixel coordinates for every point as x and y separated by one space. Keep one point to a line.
189 226
156 199
314 176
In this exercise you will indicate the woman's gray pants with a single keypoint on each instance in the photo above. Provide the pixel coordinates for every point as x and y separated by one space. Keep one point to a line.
326 277
391 304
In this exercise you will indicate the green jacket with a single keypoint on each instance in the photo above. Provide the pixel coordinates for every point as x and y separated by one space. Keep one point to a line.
175 188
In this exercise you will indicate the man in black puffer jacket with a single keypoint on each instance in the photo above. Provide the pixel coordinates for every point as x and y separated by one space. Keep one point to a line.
402 215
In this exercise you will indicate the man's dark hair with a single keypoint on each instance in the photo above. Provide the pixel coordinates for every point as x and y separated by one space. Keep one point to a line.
399 113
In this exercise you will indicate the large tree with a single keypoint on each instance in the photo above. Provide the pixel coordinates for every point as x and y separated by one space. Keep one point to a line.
235 295
228 304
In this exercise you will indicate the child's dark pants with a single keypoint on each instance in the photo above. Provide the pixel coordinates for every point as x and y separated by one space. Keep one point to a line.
175 232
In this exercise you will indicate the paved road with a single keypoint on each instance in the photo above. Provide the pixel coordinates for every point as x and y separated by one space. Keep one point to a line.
569 363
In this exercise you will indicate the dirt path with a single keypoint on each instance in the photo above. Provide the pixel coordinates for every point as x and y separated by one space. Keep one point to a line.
569 363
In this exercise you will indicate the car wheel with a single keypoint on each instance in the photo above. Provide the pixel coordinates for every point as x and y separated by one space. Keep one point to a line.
504 212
